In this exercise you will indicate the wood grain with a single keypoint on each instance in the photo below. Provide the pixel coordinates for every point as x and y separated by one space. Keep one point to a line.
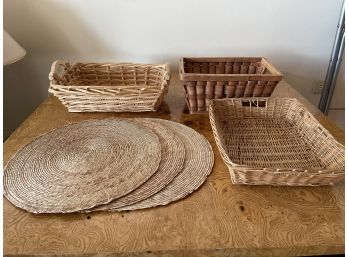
220 219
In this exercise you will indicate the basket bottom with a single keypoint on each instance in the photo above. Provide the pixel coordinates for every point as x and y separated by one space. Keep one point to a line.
268 143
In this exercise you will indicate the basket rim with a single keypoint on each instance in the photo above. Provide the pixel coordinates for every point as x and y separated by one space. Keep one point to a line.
68 65
224 58
304 171
103 87
275 75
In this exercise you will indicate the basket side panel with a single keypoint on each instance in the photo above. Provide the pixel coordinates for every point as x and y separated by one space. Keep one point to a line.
261 107
217 121
112 74
278 108
326 147
289 178
224 66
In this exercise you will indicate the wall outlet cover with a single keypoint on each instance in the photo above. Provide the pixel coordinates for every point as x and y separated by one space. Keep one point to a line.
318 86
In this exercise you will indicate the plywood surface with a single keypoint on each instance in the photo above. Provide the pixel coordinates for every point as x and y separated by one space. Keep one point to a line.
220 219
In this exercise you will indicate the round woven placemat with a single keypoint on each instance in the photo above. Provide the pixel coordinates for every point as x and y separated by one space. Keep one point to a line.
81 165
198 164
172 162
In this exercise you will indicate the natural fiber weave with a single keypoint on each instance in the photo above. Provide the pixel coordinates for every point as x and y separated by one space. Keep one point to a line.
198 165
275 141
109 87
207 78
172 161
81 165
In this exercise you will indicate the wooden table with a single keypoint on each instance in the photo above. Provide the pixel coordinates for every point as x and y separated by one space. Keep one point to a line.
220 219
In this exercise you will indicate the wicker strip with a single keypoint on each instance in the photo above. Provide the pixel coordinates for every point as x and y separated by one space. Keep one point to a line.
198 165
172 161
275 141
81 165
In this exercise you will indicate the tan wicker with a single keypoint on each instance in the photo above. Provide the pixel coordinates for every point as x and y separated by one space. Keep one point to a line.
109 87
172 161
275 141
198 164
226 77
81 165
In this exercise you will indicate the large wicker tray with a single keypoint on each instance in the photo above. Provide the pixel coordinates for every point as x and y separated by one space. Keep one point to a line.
275 141
109 87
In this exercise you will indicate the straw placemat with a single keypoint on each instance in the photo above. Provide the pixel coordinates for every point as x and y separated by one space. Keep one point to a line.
81 165
172 162
198 164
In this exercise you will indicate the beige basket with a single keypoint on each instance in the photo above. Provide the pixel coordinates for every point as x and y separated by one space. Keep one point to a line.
226 77
109 87
275 141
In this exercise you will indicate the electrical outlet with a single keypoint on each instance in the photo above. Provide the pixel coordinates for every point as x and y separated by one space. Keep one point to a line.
318 86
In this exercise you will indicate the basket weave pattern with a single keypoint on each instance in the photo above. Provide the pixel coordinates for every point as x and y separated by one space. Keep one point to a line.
109 165
214 78
109 87
275 141
81 165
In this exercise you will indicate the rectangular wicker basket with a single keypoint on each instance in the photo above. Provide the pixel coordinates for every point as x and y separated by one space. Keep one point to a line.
275 141
109 87
226 77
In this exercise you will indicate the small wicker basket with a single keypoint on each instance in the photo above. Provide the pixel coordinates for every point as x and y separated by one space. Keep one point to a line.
109 87
275 141
226 77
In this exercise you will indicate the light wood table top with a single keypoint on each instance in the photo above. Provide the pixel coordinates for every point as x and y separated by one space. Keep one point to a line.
219 219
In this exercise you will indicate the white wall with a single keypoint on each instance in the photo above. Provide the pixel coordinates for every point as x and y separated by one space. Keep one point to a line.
296 36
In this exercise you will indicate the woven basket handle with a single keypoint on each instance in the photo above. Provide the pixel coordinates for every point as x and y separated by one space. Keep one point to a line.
181 68
58 69
167 67
254 103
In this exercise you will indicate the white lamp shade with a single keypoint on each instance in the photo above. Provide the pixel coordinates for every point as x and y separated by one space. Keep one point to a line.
12 50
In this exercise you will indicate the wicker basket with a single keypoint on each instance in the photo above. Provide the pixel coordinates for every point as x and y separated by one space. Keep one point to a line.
214 78
274 141
109 87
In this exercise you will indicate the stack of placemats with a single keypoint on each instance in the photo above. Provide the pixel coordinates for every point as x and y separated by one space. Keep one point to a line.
108 165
